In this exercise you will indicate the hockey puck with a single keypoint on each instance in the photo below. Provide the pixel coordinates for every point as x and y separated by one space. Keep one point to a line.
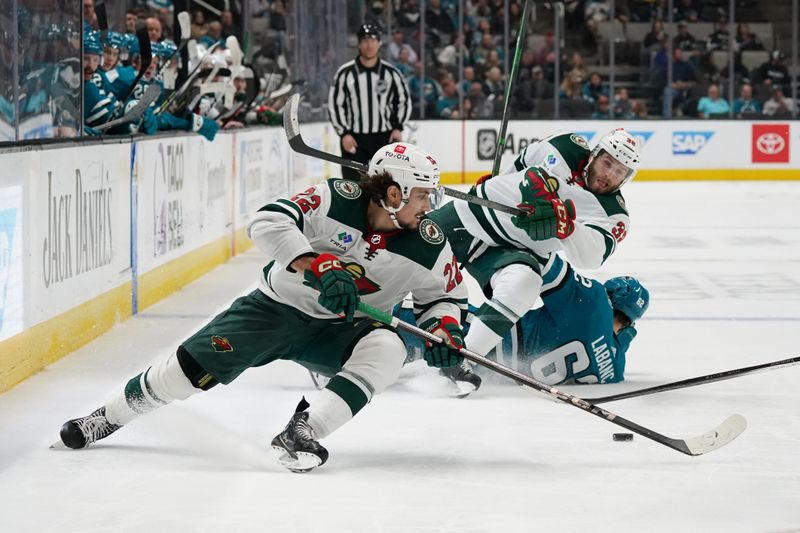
622 436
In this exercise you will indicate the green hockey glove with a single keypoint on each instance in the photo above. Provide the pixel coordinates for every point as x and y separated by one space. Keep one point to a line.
446 354
546 219
337 290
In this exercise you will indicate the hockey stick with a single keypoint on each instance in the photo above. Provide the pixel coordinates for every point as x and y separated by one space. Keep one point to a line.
188 83
501 138
709 441
693 382
184 24
146 58
150 95
291 124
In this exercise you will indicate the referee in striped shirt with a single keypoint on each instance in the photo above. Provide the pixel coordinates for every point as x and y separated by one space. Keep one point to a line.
368 103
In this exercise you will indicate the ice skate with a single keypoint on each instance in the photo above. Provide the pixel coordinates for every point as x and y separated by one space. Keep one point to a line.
80 432
295 447
465 380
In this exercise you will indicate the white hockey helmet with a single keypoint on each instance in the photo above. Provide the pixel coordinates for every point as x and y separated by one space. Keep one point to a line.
623 147
408 165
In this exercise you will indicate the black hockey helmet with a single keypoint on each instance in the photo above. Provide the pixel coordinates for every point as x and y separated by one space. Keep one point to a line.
368 30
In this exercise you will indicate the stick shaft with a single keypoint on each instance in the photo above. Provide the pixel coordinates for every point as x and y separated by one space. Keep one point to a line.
710 441
501 138
291 125
700 380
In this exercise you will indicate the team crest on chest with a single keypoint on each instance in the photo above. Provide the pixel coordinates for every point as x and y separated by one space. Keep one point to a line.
431 232
348 189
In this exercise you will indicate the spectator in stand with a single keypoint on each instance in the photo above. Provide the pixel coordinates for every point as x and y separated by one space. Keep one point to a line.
747 40
438 22
773 72
572 87
778 105
407 14
228 27
89 16
448 57
494 84
214 34
654 36
483 50
468 79
683 78
685 10
577 65
602 109
154 29
404 64
447 104
638 109
686 42
718 40
427 87
622 105
398 43
483 107
199 27
746 104
595 13
131 18
595 87
712 104
531 88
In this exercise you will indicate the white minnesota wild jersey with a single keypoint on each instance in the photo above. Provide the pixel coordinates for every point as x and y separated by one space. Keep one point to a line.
601 220
332 217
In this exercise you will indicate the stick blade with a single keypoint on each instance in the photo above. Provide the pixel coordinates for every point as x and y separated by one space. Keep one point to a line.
290 121
731 427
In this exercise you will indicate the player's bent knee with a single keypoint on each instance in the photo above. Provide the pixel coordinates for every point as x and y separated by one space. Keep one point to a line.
377 359
169 381
516 288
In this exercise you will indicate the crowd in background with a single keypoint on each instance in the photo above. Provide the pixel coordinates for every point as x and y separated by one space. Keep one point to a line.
463 74
451 73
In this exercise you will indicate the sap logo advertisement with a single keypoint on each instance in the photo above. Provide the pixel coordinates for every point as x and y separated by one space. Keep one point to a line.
689 142
770 143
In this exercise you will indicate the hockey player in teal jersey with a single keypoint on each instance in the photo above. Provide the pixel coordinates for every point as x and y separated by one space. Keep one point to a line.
329 247
580 334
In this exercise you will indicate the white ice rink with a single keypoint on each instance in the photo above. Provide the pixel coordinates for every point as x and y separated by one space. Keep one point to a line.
722 263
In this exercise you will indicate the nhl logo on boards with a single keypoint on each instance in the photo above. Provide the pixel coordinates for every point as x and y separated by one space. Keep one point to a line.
487 144
431 232
348 189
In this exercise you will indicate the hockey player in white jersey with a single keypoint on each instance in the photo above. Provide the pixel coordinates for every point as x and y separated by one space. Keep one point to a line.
572 195
331 246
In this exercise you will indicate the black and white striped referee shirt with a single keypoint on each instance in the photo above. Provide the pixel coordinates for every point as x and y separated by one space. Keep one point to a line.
368 100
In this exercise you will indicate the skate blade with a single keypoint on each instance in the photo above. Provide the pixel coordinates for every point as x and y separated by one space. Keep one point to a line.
300 462
461 389
58 445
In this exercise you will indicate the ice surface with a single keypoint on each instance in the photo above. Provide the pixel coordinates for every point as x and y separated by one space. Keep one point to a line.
721 261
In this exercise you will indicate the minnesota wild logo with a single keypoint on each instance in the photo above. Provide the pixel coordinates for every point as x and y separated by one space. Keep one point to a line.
431 232
348 189
364 284
580 141
221 344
